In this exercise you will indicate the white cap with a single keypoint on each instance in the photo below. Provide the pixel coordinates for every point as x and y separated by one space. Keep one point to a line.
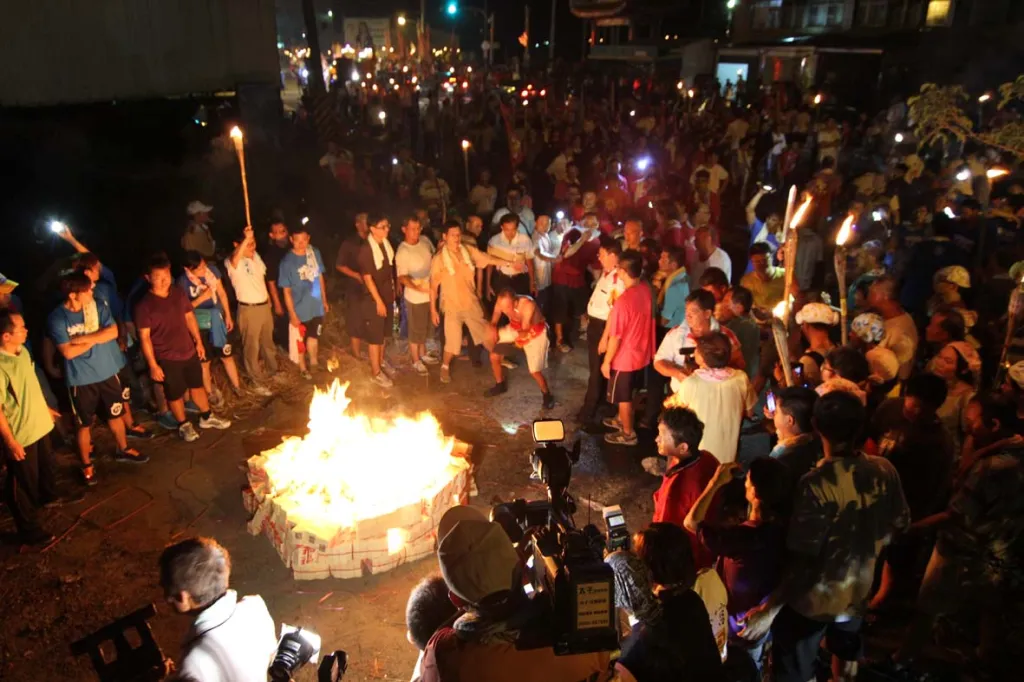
198 207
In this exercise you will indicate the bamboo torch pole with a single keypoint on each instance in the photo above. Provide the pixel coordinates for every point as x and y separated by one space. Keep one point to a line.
236 137
840 262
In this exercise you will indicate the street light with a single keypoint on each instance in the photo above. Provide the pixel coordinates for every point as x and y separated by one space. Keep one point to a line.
401 20
898 138
452 9
984 98
382 116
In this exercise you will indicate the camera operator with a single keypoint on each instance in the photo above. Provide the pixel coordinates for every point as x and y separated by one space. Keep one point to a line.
484 577
231 639
678 644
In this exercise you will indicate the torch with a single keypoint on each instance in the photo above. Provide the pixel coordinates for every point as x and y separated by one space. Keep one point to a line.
789 231
465 160
236 137
840 261
780 332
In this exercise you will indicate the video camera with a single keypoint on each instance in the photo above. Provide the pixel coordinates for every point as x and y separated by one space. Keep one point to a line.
296 648
566 565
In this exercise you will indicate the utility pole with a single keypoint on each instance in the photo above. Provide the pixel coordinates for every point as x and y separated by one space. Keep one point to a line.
551 38
313 66
526 48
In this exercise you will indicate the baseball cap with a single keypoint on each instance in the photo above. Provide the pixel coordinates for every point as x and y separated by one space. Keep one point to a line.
198 207
476 556
817 313
7 285
954 274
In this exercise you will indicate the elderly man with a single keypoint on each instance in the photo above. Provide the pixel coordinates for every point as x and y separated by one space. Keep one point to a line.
231 639
248 275
900 331
454 270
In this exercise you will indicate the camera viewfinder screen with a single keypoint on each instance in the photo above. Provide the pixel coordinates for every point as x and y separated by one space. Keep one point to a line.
548 431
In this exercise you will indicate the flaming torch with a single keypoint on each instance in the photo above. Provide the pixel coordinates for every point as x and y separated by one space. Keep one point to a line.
789 231
840 260
236 137
465 161
780 332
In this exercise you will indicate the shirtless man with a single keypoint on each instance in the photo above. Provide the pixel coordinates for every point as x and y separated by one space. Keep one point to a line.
527 330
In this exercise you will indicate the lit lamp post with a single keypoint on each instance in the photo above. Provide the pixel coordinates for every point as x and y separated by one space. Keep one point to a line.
840 260
780 333
465 160
236 137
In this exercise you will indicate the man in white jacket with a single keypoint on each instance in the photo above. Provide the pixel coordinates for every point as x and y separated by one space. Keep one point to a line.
231 639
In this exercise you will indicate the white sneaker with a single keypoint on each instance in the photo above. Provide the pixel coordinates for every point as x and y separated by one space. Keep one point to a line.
508 364
187 432
214 422
420 368
383 380
387 368
430 359
261 390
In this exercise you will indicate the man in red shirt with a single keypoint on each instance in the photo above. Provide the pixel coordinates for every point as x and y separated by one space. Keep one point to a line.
630 346
689 470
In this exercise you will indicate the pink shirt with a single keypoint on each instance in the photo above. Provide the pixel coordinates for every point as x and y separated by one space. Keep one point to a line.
632 321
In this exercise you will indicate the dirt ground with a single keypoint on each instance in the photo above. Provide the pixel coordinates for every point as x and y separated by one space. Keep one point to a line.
104 566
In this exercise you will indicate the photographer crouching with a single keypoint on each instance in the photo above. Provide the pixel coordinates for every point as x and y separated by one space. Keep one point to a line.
485 578
231 639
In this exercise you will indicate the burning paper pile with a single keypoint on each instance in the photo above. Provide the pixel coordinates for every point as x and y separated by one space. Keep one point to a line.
356 495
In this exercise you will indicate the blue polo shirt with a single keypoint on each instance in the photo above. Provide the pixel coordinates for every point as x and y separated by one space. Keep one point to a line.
297 274
97 364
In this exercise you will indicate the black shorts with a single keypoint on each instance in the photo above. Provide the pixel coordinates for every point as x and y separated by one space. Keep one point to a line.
180 376
621 385
568 303
126 375
796 640
378 328
314 327
355 315
214 352
102 398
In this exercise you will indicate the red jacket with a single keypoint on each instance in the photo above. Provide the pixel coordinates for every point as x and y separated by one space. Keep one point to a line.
679 490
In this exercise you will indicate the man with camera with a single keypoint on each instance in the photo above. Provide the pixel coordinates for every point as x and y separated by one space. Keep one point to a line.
231 639
484 576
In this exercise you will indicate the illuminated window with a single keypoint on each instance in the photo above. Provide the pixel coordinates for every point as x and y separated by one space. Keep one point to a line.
940 13
767 14
824 13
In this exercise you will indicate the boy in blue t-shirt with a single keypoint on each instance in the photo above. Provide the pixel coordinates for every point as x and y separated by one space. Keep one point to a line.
85 333
203 284
301 278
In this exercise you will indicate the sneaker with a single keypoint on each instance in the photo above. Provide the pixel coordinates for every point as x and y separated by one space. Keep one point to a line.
564 348
167 421
655 466
508 364
620 438
89 475
191 407
139 432
131 455
420 368
304 373
387 368
383 380
187 432
583 335
612 423
549 401
214 422
496 389
446 374
261 390
430 359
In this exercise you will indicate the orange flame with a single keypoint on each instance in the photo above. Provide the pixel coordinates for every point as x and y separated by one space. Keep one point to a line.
351 467
845 231
800 214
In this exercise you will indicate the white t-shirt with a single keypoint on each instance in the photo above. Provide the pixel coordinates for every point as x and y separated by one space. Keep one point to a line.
720 398
248 279
520 249
712 592
679 337
526 219
548 245
717 176
413 261
607 290
483 199
232 640
718 259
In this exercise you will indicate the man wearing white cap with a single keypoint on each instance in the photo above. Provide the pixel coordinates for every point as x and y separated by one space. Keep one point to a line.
482 571
197 235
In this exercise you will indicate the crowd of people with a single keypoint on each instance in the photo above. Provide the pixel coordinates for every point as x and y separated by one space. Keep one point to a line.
805 484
